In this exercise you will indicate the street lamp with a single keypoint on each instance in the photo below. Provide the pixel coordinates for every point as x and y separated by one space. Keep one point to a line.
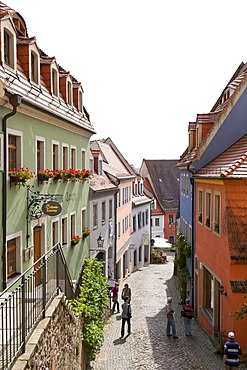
100 242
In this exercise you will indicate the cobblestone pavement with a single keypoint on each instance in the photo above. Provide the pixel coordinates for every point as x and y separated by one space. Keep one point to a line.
148 347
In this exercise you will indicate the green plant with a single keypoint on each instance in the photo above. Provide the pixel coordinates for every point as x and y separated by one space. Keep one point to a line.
183 250
92 302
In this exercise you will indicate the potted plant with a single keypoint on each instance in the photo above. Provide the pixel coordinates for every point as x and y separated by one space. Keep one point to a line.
75 239
86 232
20 175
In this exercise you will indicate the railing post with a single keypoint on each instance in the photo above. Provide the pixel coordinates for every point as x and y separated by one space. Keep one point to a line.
23 306
44 278
57 269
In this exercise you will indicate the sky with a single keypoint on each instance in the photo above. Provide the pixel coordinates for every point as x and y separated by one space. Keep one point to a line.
147 67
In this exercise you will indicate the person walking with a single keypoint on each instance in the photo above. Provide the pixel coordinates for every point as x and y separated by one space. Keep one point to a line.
126 316
232 351
114 292
126 292
187 313
170 319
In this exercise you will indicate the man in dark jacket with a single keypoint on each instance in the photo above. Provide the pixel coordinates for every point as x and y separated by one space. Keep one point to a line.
232 351
126 316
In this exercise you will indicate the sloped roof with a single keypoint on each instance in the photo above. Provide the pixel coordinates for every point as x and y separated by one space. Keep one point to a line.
230 164
101 183
218 113
163 177
112 163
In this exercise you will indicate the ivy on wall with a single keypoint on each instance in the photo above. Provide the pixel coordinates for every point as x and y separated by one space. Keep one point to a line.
183 250
91 303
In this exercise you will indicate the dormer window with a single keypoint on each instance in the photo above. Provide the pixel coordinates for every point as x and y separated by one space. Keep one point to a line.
54 82
9 48
141 186
69 93
34 70
136 188
225 96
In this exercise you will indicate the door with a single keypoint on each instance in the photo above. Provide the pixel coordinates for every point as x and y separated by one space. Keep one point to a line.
37 252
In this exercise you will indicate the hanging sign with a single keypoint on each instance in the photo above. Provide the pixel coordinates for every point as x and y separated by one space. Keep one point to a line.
51 208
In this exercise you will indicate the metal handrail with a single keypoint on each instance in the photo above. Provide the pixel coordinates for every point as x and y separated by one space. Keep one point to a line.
24 302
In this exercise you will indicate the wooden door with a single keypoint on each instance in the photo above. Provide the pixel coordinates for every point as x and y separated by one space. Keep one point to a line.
37 252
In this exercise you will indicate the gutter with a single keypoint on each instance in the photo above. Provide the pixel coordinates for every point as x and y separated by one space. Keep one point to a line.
15 101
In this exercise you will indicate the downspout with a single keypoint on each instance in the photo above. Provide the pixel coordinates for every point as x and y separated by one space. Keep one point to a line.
193 233
15 101
115 236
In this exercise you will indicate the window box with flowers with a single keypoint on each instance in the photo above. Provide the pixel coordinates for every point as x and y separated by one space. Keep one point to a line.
75 239
86 232
20 175
45 175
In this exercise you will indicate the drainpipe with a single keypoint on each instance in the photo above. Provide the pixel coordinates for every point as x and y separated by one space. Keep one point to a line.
115 236
193 232
15 101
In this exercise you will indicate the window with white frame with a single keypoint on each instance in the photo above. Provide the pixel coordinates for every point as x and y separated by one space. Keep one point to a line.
72 225
147 217
95 216
103 213
200 206
83 219
69 93
83 159
65 157
136 188
208 291
9 44
141 186
217 225
134 224
170 219
139 220
118 230
34 67
64 230
54 81
40 153
55 155
54 232
208 209
80 101
12 257
157 221
110 209
73 157
14 149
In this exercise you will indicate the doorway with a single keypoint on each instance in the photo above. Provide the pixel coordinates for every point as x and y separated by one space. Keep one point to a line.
37 231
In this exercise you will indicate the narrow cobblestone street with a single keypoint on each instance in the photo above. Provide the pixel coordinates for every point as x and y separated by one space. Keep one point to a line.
148 347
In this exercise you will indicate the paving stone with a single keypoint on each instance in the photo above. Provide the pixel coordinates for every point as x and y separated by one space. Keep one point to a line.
148 347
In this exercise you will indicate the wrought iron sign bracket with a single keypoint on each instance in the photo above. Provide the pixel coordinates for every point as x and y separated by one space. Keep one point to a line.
35 201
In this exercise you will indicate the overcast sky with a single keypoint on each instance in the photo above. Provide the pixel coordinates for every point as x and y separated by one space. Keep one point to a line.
147 67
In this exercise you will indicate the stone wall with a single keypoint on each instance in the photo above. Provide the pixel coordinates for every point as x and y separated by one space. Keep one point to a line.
56 341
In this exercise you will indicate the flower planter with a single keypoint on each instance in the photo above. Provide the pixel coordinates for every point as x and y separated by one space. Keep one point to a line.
42 178
16 180
74 242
